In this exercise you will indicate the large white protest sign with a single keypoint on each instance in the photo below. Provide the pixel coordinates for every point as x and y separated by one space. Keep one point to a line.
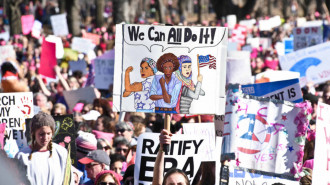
141 54
311 63
82 45
36 29
238 67
7 52
248 23
288 90
207 130
184 153
59 45
231 20
15 107
264 134
242 177
307 36
72 97
104 69
321 169
59 25
5 35
267 25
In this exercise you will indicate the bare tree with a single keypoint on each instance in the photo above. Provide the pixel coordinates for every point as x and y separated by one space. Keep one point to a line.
14 15
72 9
100 4
226 7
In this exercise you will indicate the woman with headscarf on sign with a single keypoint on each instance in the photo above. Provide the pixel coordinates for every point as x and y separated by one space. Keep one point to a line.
141 90
189 91
165 89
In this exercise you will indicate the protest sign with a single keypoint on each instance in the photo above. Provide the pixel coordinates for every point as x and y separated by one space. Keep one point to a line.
73 96
2 134
58 43
5 35
231 20
95 38
288 90
267 25
82 45
219 121
65 133
59 25
273 76
48 59
27 23
238 34
301 21
104 69
185 154
288 45
36 29
248 23
204 129
265 135
232 46
7 52
242 177
265 42
201 50
79 65
321 168
254 42
70 54
304 37
311 63
15 108
279 46
238 67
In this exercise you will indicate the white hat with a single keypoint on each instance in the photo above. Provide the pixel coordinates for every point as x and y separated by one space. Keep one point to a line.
91 115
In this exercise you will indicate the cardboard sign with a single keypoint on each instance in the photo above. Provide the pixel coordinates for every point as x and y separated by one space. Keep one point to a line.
170 44
185 154
311 63
59 45
241 177
82 45
238 67
72 97
79 65
36 29
288 90
15 107
59 25
264 134
48 59
27 23
104 69
322 145
307 36
207 130
95 38
7 51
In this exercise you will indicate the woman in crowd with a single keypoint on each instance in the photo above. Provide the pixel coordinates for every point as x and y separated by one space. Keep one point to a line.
108 177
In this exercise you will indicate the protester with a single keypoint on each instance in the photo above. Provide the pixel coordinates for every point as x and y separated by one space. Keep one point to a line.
108 177
125 129
117 163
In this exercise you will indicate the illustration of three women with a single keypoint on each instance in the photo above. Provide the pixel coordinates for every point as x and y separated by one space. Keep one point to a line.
171 92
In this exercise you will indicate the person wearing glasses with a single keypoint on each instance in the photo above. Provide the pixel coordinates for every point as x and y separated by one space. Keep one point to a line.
126 130
108 177
95 162
121 146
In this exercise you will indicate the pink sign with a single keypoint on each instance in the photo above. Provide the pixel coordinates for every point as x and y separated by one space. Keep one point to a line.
27 23
95 38
2 134
48 59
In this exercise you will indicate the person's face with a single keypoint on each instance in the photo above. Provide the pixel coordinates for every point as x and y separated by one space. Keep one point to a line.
168 69
93 169
99 109
58 112
105 147
176 179
186 69
43 136
108 180
117 167
124 132
260 63
146 70
121 149
99 124
41 101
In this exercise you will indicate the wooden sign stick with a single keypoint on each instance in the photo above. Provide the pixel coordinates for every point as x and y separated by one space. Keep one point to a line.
167 126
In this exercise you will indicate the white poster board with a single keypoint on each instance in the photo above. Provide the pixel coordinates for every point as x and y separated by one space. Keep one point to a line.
104 69
59 25
238 67
7 51
307 36
72 97
59 45
82 45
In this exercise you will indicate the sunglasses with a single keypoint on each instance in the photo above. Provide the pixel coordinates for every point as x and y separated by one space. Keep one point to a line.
121 130
91 165
107 183
121 149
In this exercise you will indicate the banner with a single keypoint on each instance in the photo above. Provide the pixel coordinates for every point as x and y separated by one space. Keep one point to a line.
27 23
73 96
238 67
5 35
264 134
321 168
184 153
241 177
65 134
15 108
7 52
288 90
307 36
104 69
311 63
59 25
195 69
48 59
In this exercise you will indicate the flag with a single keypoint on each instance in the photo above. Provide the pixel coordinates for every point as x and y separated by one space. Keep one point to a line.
207 60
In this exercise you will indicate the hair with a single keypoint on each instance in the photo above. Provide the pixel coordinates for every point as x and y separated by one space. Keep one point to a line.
99 146
60 106
120 140
307 179
309 149
103 176
108 124
39 120
173 171
117 157
104 104
8 66
39 94
138 129
208 177
168 57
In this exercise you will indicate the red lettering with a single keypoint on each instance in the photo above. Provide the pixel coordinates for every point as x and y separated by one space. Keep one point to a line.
328 160
306 30
298 30
314 30
263 157
262 115
246 107
320 110
327 138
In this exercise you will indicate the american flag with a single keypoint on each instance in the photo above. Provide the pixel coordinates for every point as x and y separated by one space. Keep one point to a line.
207 60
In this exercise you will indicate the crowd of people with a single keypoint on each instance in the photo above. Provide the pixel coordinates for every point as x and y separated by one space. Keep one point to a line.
105 144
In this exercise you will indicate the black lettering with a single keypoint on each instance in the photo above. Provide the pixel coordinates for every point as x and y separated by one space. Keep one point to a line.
144 168
149 33
188 167
185 146
172 161
134 33
4 102
201 36
172 146
207 35
14 134
293 93
11 100
172 35
180 148
147 144
187 34
197 145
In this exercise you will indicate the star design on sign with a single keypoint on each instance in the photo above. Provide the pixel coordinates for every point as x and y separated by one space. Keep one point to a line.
147 95
284 118
250 133
137 96
251 121
146 85
290 148
152 105
140 105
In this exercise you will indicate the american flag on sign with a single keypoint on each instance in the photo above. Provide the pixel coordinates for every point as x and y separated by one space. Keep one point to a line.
207 60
